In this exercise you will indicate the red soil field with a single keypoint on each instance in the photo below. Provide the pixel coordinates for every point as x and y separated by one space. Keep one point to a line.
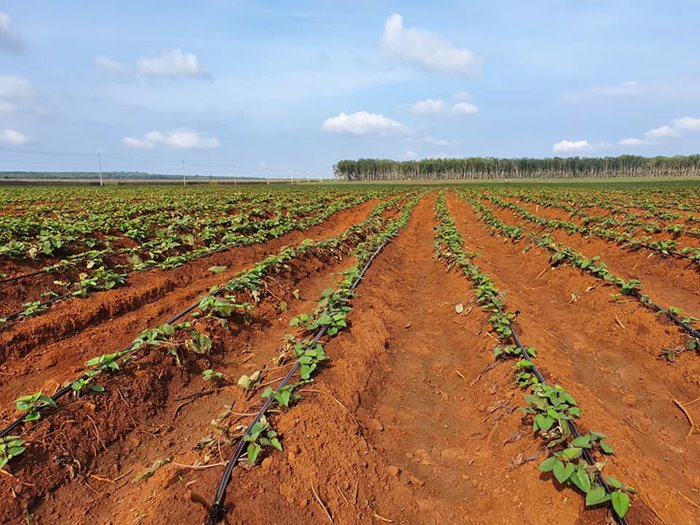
411 420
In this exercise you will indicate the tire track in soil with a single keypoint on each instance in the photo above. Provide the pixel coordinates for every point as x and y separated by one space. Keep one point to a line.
121 314
671 281
134 443
421 444
624 390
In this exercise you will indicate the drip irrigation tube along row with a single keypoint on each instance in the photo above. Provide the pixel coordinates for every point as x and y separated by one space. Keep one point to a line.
45 304
532 368
217 508
69 387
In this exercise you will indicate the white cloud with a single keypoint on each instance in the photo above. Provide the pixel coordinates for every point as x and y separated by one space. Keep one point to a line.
172 64
410 155
429 106
677 128
424 48
440 107
10 40
633 142
109 65
15 88
571 145
10 136
687 124
464 108
667 131
177 139
623 89
136 143
617 90
434 142
15 94
462 96
363 123
663 132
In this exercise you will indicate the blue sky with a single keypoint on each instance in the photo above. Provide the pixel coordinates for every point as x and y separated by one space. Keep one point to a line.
276 86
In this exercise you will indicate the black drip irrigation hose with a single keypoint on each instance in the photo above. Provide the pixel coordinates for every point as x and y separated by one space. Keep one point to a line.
58 270
19 313
585 231
50 269
645 300
217 511
20 277
572 425
68 388
207 254
660 309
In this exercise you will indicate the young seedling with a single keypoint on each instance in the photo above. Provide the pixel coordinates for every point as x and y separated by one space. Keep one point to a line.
33 404
10 447
211 375
249 382
260 437
199 343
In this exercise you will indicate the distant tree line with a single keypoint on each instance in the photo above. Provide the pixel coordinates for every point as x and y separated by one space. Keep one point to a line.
476 168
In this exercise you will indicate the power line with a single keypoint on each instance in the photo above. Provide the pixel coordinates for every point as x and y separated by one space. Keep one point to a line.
129 159
22 161
47 153
172 163
99 160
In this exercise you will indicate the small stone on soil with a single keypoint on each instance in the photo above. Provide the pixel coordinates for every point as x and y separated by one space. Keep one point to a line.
375 424
629 400
416 481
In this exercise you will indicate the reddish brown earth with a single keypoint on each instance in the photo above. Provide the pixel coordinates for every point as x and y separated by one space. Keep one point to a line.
611 368
682 239
141 399
409 422
622 204
392 430
18 292
167 422
663 205
672 282
108 321
150 297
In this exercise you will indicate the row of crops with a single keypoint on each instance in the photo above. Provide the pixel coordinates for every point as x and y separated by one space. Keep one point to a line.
573 456
190 339
99 240
65 242
576 458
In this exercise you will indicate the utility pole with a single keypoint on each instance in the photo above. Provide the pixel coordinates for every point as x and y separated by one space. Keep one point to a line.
184 179
307 177
234 174
99 161
268 176
291 174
